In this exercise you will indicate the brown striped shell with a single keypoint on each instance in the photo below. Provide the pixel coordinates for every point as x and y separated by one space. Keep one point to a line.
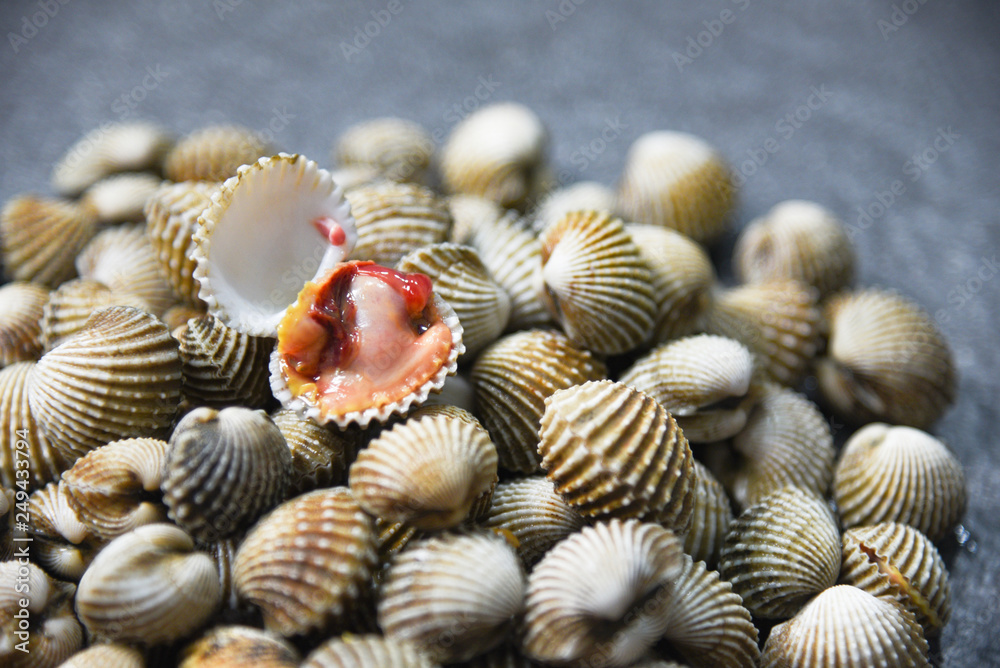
468 214
846 627
534 513
897 562
171 220
453 595
394 219
703 381
112 489
214 153
580 196
40 237
512 379
886 361
150 586
899 474
121 198
119 377
677 180
710 518
367 651
397 149
236 646
682 276
425 471
51 634
61 544
224 469
796 240
781 552
786 441
21 437
778 321
589 595
461 279
306 562
109 149
595 283
106 655
222 366
612 451
21 308
71 305
320 456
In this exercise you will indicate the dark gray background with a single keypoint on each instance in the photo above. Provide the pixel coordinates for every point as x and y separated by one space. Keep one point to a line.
890 94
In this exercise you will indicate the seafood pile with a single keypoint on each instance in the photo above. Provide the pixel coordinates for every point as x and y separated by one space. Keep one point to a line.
432 407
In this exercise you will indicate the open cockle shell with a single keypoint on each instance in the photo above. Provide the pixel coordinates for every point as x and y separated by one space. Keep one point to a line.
278 223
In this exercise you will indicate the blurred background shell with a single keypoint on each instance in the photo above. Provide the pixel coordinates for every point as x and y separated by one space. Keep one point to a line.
396 148
106 655
320 455
224 469
54 633
846 627
40 237
121 198
512 379
497 152
20 432
461 279
595 283
896 562
580 196
367 651
885 361
474 579
149 586
682 276
587 594
71 305
394 219
612 451
306 562
899 474
109 149
233 646
469 213
214 153
782 552
21 308
796 240
119 377
703 381
679 181
710 518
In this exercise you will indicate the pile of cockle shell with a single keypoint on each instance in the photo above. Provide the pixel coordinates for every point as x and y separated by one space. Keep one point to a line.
538 430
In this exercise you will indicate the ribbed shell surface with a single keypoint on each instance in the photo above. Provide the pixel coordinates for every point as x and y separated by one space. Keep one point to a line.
39 238
394 219
222 366
21 308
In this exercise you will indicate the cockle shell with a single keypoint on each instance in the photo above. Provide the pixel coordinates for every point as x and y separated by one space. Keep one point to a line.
496 152
320 456
710 518
897 562
612 451
468 214
53 633
236 646
588 596
224 469
453 595
118 377
110 488
214 153
426 471
796 240
123 259
121 198
62 544
394 219
457 394
223 553
367 651
846 627
109 149
21 308
677 180
786 441
307 561
595 283
21 438
71 305
106 655
6 524
682 277
177 316
40 237
532 510
777 321
899 474
461 279
398 149
171 220
705 622
581 196
148 586
354 176
283 213
703 381
223 367
781 552
886 361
